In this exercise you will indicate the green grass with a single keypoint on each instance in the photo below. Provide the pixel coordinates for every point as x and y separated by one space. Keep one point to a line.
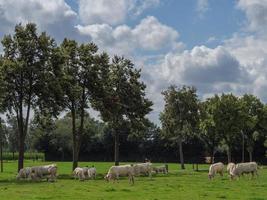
179 184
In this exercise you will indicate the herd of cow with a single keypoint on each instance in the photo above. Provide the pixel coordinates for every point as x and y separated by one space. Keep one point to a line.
82 173
234 170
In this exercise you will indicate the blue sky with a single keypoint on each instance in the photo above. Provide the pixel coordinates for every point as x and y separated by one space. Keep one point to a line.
220 21
215 45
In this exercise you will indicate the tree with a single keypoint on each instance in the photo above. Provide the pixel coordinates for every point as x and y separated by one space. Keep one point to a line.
77 82
209 133
253 108
29 74
2 138
180 115
120 98
229 119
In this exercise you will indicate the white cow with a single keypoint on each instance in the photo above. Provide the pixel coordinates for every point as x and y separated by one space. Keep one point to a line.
160 169
47 171
230 167
115 172
79 173
24 173
143 169
92 172
216 168
244 168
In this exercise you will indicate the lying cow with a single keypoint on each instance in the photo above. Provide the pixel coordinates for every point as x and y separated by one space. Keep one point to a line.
160 169
47 171
216 168
244 168
115 172
143 169
24 173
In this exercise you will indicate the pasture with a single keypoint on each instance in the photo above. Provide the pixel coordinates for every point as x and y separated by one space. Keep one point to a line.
178 184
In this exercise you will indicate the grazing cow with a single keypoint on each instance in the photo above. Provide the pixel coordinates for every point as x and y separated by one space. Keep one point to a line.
143 169
230 167
115 172
79 173
24 173
160 169
92 172
215 169
244 168
47 171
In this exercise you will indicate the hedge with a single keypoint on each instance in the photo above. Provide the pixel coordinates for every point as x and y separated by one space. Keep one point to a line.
27 156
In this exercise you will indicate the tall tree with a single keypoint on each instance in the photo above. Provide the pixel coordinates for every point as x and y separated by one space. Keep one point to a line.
77 82
252 108
229 119
180 115
29 76
120 98
209 133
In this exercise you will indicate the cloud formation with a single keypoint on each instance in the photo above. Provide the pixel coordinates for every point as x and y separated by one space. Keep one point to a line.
56 17
148 35
112 12
256 12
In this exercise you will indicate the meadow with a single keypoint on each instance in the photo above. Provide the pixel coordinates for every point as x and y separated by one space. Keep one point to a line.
178 184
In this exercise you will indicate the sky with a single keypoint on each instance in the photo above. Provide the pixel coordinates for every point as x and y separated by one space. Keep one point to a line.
218 46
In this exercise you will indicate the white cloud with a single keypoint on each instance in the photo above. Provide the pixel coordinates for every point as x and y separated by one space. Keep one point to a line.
103 11
56 17
202 65
256 12
149 35
202 6
139 6
112 12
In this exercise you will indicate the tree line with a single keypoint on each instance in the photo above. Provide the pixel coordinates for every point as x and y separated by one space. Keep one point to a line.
222 121
40 80
38 75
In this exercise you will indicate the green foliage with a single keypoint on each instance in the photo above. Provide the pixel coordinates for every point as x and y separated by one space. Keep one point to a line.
229 119
29 75
208 131
27 156
122 99
181 113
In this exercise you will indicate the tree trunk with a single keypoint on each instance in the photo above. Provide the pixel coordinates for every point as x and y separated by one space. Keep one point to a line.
250 155
74 139
21 139
21 152
81 128
243 147
212 156
229 156
1 151
116 147
181 154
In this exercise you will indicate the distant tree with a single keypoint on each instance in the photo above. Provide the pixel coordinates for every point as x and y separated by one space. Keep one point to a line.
12 134
120 98
252 108
180 116
2 140
208 132
78 81
29 74
229 119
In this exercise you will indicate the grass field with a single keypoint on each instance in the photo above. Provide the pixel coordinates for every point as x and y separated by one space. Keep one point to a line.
178 184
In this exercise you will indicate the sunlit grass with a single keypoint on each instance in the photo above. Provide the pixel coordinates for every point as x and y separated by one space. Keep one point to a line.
178 184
